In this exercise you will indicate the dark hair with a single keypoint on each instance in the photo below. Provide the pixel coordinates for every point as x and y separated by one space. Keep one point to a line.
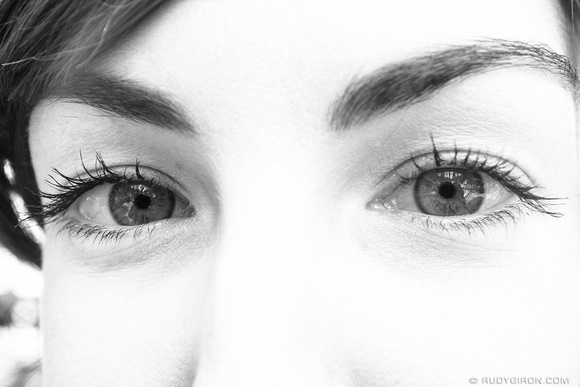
43 42
571 9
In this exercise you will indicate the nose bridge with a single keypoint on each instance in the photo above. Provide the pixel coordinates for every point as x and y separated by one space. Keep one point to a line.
255 284
255 329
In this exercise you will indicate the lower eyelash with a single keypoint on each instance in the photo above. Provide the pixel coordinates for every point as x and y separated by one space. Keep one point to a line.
505 216
83 232
97 234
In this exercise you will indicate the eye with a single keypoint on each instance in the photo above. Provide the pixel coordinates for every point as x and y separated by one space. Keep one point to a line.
461 188
447 192
130 203
107 204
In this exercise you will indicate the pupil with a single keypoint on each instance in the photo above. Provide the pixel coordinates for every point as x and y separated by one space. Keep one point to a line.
142 201
447 190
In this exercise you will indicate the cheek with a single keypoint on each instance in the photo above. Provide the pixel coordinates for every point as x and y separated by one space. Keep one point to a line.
446 324
113 326
322 296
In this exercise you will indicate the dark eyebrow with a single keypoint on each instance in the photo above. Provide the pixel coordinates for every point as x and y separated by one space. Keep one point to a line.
401 84
124 98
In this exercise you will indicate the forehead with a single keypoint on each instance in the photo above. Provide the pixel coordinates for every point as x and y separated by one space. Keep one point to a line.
353 33
220 48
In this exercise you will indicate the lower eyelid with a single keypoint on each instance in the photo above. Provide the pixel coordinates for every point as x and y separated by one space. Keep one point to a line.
96 239
478 225
109 248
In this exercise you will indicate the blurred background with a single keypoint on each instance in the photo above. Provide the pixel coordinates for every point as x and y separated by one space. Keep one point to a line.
20 288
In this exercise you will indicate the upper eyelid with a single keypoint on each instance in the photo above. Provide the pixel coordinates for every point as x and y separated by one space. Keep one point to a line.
149 175
135 171
385 185
484 155
64 193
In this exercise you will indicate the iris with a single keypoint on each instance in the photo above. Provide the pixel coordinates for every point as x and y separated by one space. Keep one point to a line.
449 192
135 203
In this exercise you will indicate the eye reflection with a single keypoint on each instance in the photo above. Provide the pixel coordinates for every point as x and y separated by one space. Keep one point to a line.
138 203
449 192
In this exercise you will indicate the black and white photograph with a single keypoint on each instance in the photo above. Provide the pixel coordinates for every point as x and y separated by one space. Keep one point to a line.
266 193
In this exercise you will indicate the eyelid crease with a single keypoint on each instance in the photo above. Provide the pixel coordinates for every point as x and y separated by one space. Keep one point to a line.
435 153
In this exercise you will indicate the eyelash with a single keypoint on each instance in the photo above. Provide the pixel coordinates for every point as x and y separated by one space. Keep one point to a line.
73 188
499 171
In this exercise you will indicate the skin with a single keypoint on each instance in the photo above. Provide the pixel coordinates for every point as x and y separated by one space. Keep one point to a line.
285 277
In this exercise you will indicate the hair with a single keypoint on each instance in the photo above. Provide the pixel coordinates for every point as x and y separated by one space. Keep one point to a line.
43 43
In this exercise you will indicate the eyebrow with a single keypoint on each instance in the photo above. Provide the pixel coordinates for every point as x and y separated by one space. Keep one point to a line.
124 98
414 80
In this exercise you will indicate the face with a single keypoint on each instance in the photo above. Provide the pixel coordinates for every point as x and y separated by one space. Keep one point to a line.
322 194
